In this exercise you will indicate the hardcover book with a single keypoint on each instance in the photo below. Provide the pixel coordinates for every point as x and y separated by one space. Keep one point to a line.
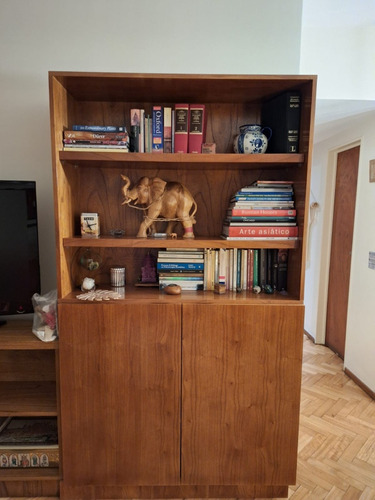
261 231
95 136
135 127
157 129
167 130
181 132
99 128
196 128
282 115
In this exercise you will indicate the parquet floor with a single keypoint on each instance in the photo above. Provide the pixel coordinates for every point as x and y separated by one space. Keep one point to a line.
336 458
336 455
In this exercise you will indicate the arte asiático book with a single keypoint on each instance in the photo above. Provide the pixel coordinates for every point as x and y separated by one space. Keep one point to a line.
260 231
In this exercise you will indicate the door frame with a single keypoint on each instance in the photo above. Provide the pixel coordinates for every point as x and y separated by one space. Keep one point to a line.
327 240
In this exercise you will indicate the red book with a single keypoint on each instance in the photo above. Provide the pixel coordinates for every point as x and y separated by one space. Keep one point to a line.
197 127
248 212
181 131
261 231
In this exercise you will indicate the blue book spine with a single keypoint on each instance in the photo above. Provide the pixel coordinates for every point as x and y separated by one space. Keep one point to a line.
157 129
180 265
262 198
98 128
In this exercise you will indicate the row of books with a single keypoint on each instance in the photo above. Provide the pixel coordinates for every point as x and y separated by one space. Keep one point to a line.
263 210
236 269
180 129
96 138
243 269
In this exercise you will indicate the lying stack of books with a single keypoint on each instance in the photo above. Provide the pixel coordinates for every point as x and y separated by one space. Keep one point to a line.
181 267
96 138
264 210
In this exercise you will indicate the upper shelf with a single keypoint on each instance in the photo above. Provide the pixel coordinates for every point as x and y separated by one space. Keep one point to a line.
169 160
134 87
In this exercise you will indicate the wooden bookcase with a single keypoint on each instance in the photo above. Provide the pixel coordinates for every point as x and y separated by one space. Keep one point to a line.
188 396
27 389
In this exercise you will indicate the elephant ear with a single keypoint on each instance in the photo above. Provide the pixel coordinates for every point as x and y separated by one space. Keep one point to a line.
157 187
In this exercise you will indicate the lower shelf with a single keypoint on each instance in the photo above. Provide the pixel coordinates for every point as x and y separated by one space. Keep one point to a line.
37 474
31 399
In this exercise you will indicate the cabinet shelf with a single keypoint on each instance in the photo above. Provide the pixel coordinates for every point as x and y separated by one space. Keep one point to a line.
27 474
28 399
169 161
18 336
130 242
148 295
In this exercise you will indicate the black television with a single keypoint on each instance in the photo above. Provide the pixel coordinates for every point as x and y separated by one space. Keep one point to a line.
19 249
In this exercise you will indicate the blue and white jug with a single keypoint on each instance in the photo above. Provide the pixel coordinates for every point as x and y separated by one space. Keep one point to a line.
252 139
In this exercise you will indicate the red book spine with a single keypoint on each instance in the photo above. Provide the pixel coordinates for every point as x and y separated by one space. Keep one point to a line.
261 231
197 127
243 212
181 132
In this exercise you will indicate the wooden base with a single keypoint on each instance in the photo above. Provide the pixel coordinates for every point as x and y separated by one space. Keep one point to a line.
90 492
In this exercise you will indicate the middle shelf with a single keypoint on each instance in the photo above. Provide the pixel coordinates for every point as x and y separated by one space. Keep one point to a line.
199 242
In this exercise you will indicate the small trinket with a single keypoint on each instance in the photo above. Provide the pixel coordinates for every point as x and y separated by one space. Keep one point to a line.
172 289
88 284
256 289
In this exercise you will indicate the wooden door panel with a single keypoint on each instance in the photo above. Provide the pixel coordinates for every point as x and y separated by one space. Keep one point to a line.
241 390
120 390
341 249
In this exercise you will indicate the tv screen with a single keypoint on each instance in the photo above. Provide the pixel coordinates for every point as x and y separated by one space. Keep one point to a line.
19 252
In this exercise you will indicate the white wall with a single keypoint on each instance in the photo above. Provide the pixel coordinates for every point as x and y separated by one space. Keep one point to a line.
337 43
162 36
360 334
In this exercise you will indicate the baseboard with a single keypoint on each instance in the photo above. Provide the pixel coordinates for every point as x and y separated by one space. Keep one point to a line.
308 335
347 372
359 382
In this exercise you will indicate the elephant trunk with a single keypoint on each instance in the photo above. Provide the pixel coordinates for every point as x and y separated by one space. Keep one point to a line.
124 190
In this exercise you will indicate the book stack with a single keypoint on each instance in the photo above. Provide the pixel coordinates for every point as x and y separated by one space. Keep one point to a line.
264 210
96 138
181 267
241 269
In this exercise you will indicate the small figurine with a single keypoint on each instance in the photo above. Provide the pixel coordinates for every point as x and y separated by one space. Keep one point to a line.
163 201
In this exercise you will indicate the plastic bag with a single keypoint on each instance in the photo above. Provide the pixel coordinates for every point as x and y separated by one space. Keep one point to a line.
45 316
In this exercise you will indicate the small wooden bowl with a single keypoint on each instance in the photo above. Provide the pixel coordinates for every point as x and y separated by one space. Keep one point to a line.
172 290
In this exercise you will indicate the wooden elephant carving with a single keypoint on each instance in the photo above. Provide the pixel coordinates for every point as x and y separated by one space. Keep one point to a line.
161 200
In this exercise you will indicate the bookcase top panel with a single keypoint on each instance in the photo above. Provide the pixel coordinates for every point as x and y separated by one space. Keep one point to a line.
85 86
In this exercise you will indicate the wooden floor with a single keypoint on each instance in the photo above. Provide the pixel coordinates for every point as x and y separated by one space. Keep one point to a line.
336 458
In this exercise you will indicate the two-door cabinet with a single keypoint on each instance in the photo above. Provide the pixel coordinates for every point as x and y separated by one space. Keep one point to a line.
162 396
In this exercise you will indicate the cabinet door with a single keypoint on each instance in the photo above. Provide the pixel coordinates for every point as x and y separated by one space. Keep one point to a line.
241 391
120 374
